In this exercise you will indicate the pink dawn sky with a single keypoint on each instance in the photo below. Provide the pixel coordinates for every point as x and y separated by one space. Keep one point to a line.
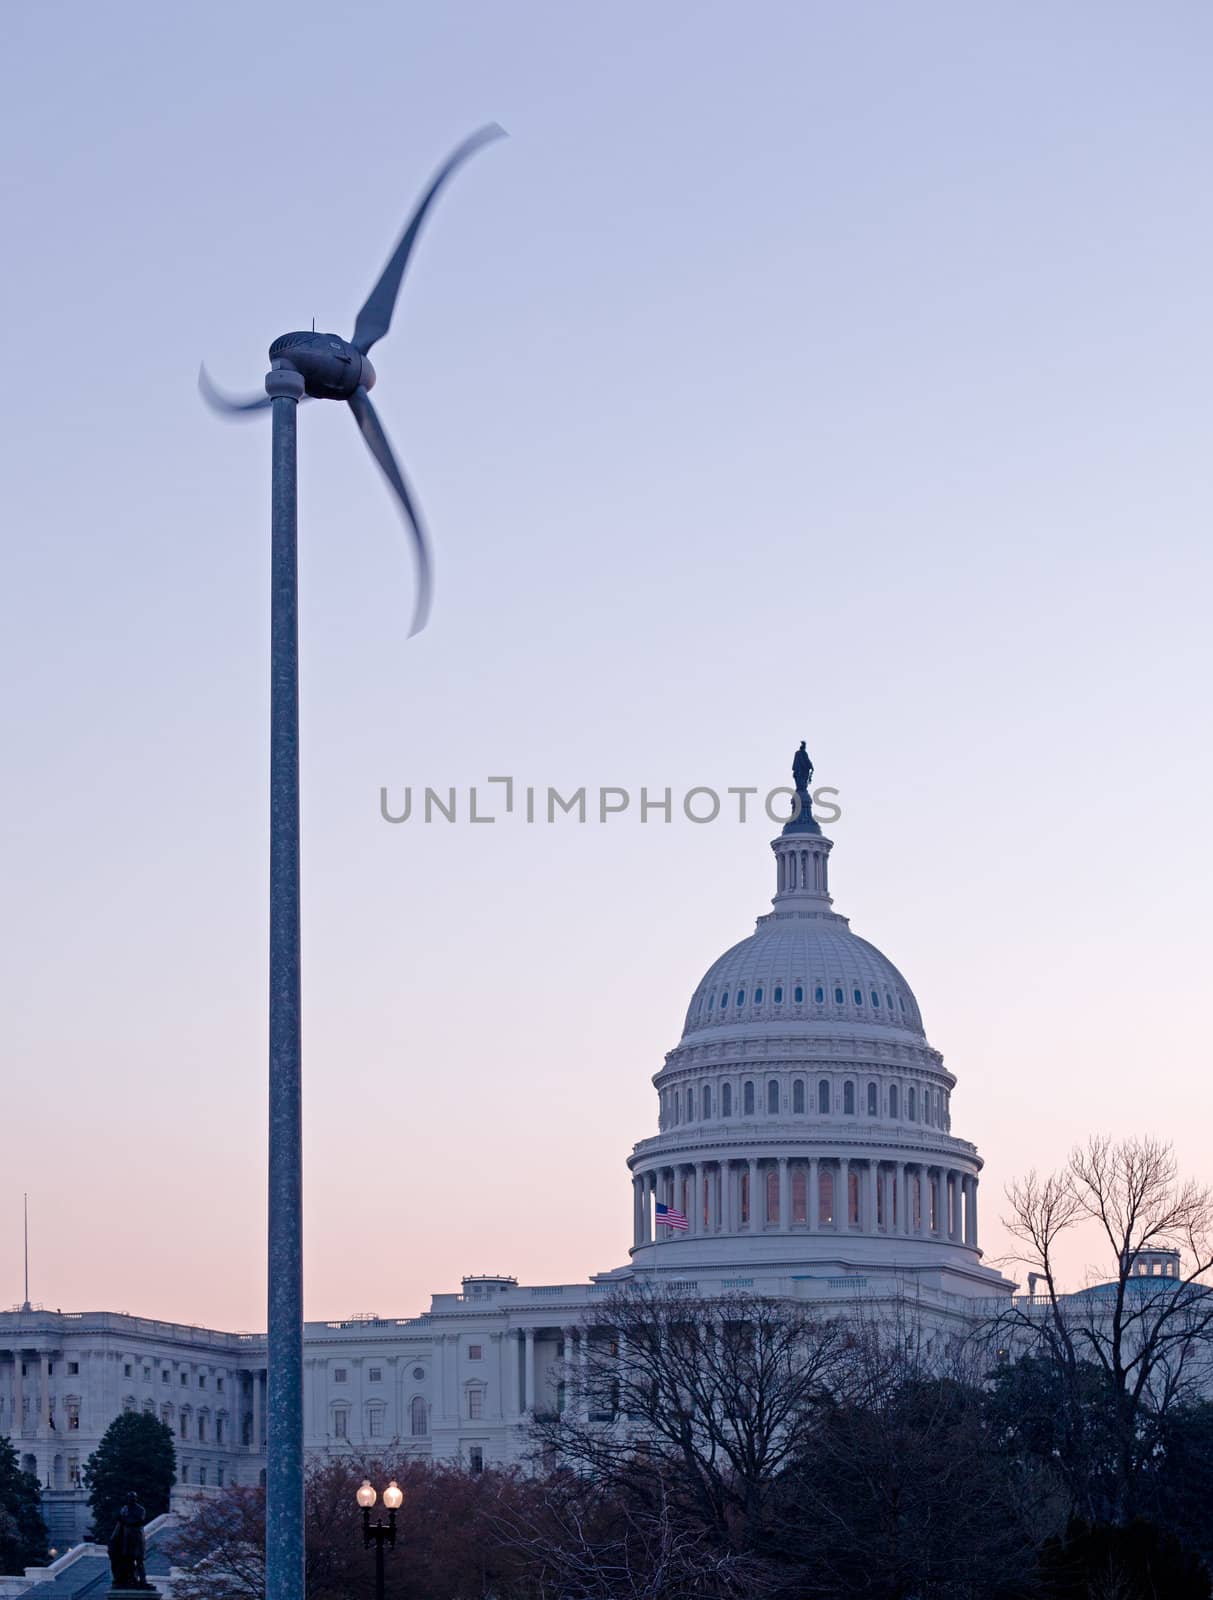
836 373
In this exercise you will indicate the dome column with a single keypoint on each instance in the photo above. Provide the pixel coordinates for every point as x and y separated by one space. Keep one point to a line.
785 1196
813 1198
971 1213
902 1181
755 1224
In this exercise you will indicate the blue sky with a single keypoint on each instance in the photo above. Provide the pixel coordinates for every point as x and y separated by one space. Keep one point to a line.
808 371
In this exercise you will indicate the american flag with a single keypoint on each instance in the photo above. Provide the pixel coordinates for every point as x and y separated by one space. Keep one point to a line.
672 1217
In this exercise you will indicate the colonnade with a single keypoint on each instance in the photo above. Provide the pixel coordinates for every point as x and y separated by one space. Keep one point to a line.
786 1194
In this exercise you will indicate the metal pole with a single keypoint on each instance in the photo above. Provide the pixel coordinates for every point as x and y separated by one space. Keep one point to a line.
379 1566
284 1565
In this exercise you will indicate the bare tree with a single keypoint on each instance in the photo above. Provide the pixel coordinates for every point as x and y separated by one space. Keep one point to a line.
584 1541
1148 1338
703 1402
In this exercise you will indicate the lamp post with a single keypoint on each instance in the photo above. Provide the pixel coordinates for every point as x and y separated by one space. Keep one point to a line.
379 1533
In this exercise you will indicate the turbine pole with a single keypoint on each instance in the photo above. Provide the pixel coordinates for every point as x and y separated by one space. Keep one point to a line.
284 1563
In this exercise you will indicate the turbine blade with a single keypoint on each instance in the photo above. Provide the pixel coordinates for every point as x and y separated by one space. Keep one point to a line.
372 431
375 318
225 404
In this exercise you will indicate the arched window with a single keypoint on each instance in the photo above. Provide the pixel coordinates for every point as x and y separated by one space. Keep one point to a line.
711 1001
798 1097
819 994
823 1097
928 1110
419 1417
848 1099
800 1195
674 1099
747 1098
858 994
888 999
758 995
705 1100
798 994
741 997
772 1194
912 1103
724 999
690 1104
894 1102
778 995
873 1100
838 995
875 999
726 1100
825 1195
773 1098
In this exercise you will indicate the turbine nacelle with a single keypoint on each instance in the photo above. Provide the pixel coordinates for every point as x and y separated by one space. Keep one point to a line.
330 366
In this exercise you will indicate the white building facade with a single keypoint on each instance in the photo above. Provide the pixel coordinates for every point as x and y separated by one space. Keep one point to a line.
804 1131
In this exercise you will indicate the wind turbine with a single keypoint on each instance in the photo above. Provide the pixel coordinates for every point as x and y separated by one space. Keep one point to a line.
321 366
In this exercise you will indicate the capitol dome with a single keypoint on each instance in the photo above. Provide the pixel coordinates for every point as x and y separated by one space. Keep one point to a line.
805 973
803 1116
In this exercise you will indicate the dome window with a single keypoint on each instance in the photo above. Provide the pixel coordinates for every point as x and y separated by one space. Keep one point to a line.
838 994
778 996
711 1001
875 1000
858 993
690 1105
773 1098
888 999
819 994
873 1100
726 1100
747 1098
741 997
912 1103
901 1001
894 1099
758 995
848 1099
724 999
823 1097
798 995
798 1097
705 1100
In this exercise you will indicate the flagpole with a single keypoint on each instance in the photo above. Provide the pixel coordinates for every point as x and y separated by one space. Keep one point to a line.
25 1200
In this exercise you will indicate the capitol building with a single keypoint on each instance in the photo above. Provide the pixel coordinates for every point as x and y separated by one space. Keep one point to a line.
804 1137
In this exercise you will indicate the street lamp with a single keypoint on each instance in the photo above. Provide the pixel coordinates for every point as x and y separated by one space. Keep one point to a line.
379 1533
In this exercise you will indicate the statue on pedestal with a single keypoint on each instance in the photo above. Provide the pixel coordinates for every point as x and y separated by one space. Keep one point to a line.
802 771
126 1546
